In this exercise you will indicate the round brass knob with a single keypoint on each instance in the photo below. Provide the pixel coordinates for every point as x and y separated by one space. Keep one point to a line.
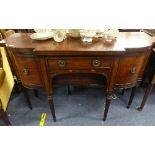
61 63
96 63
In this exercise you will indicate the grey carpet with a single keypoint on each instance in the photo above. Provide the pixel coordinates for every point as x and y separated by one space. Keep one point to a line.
84 107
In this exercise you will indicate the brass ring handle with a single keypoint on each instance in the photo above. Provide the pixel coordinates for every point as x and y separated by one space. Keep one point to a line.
26 71
61 63
96 63
133 70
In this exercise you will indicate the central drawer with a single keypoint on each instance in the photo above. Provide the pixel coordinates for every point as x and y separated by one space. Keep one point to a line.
55 63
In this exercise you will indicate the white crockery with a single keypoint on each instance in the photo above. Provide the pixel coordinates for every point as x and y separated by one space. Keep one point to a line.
87 35
59 35
41 36
42 30
75 33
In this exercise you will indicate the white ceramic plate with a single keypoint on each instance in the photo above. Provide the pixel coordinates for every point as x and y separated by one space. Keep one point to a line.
41 36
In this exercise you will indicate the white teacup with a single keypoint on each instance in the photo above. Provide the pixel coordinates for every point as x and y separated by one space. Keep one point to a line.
59 35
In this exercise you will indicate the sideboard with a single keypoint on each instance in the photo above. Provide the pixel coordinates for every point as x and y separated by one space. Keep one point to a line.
120 63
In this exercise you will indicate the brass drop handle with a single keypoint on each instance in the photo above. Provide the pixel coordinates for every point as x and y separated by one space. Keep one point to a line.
133 70
61 63
26 71
96 63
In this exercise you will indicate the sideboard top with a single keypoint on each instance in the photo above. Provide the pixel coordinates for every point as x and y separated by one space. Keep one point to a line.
123 41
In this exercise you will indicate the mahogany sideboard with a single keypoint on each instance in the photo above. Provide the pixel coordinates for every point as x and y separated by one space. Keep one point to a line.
120 63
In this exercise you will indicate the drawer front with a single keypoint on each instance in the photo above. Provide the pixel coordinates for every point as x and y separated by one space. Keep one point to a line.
28 71
130 69
78 63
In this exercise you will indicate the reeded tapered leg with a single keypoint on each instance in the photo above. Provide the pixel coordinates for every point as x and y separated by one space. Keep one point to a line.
50 101
131 96
147 93
24 90
107 105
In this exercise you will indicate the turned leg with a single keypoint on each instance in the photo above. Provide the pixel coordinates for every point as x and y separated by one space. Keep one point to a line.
68 89
4 116
131 96
107 105
50 101
147 93
24 90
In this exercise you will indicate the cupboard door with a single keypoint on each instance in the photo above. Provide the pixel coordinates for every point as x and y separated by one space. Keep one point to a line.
27 67
130 69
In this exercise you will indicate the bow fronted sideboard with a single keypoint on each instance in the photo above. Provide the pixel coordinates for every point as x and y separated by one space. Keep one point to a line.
121 63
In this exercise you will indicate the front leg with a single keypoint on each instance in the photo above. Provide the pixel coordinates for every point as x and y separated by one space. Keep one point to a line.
47 79
107 105
50 102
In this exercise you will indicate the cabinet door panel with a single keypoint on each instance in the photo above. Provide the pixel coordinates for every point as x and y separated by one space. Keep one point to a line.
130 69
28 70
27 67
